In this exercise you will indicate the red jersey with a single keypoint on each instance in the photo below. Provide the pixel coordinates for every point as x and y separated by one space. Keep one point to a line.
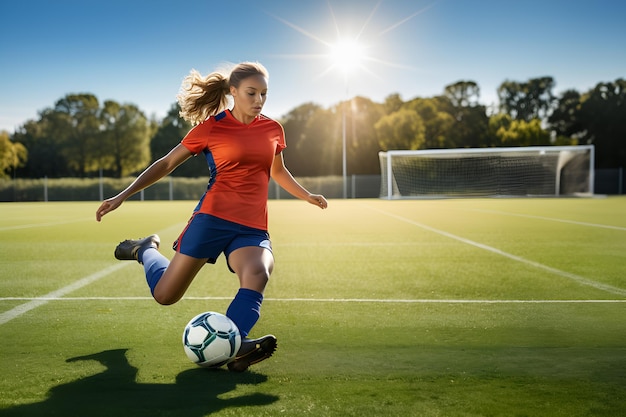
240 158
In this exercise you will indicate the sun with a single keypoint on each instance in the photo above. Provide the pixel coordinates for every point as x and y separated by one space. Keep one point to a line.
347 55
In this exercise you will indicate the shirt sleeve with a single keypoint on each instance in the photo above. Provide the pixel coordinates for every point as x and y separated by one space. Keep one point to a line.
196 138
281 144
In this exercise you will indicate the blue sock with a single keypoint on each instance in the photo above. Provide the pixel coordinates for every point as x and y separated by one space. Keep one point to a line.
245 310
154 264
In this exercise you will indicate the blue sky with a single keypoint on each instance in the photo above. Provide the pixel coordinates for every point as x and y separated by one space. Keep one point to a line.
139 51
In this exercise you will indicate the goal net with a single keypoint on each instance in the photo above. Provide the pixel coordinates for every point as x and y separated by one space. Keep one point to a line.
482 172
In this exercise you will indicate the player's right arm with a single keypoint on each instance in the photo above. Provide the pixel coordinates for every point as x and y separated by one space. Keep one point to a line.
152 174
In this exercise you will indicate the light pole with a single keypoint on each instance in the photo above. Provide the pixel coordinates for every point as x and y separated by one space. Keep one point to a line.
343 150
346 55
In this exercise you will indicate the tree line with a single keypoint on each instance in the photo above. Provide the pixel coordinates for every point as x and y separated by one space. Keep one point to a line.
81 137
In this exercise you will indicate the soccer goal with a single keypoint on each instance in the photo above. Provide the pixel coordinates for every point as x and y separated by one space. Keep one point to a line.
483 172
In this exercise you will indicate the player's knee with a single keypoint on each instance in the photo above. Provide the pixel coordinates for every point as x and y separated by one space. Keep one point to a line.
256 278
265 277
261 276
165 299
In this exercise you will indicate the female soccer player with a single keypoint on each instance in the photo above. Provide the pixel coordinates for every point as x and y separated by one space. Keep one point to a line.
243 148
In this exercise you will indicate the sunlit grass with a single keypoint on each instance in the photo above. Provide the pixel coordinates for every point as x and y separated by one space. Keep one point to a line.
380 308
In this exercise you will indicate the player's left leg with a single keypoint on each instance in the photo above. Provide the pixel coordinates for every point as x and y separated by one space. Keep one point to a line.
253 265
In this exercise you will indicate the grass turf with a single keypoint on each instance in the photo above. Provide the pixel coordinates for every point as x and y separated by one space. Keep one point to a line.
425 308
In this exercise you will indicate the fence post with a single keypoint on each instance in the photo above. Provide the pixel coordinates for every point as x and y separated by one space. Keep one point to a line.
101 189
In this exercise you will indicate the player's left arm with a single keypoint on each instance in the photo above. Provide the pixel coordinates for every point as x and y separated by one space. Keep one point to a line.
283 177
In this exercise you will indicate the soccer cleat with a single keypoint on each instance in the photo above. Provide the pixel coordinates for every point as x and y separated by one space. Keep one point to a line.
128 249
253 351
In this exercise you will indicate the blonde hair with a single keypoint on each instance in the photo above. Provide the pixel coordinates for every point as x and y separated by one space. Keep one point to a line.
201 97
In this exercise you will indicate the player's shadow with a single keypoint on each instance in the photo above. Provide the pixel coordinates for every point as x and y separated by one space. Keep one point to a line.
115 393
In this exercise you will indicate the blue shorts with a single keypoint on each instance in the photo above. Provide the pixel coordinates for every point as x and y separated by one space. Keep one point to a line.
208 236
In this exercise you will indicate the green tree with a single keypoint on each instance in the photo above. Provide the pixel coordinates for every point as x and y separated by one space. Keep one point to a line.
392 103
436 120
44 147
602 116
314 138
471 131
403 129
12 155
463 94
125 139
309 135
526 101
321 143
361 138
565 119
471 123
169 133
511 132
76 127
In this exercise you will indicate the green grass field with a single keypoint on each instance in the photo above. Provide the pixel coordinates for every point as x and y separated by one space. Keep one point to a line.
486 307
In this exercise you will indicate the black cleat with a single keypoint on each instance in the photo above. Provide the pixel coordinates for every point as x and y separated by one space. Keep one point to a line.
253 351
127 250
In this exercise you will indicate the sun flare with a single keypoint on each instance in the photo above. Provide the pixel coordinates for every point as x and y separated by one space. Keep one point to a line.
347 55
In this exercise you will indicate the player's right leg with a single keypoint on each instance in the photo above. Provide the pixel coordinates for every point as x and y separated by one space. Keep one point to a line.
176 277
168 280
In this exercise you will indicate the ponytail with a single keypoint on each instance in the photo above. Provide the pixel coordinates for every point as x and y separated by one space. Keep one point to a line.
201 97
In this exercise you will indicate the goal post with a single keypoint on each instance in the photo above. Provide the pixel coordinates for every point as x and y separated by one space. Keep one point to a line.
487 172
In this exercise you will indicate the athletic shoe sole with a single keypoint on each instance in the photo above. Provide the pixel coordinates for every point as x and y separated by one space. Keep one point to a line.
128 249
253 351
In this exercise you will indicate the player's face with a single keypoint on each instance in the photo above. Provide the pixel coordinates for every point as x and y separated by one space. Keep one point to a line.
250 96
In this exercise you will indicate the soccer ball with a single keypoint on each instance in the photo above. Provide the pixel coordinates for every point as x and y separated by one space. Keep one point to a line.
211 339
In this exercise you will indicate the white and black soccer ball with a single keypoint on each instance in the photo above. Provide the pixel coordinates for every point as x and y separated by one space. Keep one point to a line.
211 339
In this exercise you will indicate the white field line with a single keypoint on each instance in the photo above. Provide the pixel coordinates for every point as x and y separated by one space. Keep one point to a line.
553 219
564 274
54 295
36 302
331 300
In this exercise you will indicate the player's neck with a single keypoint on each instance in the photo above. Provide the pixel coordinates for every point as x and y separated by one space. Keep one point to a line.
242 117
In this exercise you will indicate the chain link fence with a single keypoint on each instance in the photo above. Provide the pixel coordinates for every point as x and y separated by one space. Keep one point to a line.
169 188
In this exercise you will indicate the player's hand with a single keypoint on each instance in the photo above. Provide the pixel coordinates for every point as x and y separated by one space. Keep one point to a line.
107 206
318 200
